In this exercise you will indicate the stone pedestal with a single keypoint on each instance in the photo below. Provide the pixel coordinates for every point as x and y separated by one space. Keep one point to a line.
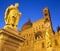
10 39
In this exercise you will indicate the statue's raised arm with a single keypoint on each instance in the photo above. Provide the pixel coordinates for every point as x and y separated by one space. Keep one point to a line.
12 16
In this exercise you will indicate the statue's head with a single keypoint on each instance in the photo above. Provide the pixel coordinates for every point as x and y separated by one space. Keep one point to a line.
14 13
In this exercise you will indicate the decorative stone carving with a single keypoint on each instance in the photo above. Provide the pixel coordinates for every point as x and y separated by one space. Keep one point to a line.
12 16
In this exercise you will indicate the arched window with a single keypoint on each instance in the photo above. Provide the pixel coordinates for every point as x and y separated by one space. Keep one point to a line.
38 35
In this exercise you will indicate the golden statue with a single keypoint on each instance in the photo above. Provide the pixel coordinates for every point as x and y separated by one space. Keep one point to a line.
12 16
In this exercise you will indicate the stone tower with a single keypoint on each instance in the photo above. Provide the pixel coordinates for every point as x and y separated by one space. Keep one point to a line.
47 18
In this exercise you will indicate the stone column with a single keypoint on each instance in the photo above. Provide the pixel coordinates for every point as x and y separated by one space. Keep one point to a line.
48 41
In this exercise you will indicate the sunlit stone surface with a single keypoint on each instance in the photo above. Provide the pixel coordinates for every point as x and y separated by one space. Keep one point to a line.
36 36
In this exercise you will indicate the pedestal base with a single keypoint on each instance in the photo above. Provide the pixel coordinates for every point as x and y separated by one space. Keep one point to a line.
10 39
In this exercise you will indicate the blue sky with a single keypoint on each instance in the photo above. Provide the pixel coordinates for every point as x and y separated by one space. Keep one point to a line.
32 9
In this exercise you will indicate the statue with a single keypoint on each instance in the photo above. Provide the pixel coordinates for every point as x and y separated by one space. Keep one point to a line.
12 16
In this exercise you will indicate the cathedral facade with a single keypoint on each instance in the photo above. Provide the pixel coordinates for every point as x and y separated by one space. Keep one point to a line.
36 36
